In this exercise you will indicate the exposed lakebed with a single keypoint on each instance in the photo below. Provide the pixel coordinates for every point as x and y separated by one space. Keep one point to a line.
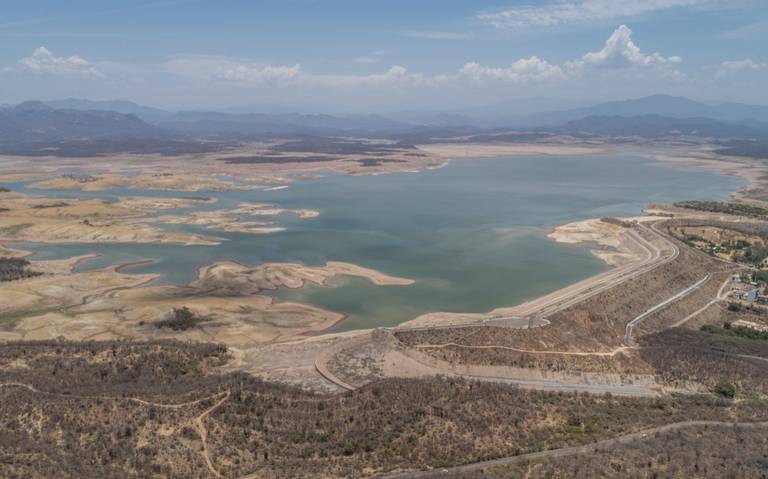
472 234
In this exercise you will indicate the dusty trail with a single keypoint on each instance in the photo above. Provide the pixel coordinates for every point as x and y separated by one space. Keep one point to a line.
722 295
203 432
113 398
526 351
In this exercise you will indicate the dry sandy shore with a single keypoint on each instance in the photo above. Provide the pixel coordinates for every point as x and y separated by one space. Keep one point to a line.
128 220
610 241
234 220
52 220
480 150
108 304
157 181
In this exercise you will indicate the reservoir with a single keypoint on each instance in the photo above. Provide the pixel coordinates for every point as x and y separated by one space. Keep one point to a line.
471 234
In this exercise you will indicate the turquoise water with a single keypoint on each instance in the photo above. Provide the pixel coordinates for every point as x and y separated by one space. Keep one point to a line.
472 234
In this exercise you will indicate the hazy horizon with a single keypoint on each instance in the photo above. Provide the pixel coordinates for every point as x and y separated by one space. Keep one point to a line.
336 56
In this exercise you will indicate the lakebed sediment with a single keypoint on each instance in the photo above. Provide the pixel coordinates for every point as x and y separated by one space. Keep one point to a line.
257 319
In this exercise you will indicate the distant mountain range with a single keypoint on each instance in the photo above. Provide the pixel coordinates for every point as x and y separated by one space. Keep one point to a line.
518 113
250 125
37 122
659 105
72 126
655 126
240 123
35 128
146 113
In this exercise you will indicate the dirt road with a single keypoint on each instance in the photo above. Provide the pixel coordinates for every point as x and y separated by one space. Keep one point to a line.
567 451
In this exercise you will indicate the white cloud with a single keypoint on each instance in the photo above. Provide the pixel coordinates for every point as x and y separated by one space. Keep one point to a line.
574 12
521 71
434 35
246 73
221 69
397 77
257 75
43 61
733 67
621 52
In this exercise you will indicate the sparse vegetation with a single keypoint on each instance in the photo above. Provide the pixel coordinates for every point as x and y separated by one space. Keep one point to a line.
727 208
617 222
12 269
726 390
57 204
711 452
80 178
739 331
123 409
182 319
683 357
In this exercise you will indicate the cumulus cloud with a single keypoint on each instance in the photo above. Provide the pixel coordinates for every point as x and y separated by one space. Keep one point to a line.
257 75
395 77
521 71
43 61
620 52
221 69
733 67
245 73
563 13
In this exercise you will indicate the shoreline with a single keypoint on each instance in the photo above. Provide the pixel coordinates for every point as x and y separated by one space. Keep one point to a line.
725 166
696 160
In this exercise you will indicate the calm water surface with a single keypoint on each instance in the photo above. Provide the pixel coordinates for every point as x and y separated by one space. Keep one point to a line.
472 234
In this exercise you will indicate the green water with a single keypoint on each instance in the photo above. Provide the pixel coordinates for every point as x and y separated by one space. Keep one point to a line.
472 234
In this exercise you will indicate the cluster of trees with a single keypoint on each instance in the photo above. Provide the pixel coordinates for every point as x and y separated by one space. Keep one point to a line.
15 268
729 329
80 178
727 208
181 319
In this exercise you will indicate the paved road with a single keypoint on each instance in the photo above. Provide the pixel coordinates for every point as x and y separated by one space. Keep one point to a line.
631 325
568 451
721 296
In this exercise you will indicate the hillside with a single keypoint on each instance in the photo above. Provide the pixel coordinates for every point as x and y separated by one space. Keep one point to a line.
34 128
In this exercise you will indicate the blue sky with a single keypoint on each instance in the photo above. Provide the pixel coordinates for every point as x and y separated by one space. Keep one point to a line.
366 55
